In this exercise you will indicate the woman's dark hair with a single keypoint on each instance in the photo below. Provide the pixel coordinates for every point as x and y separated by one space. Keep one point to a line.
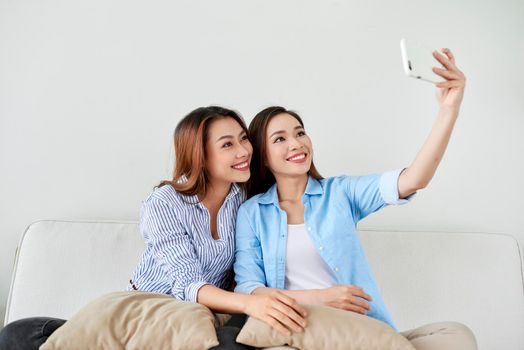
190 139
261 177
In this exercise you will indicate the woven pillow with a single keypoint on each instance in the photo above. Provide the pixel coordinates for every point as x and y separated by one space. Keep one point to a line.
137 320
328 328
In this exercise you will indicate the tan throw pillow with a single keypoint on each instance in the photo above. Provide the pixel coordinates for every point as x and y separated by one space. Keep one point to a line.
137 320
328 328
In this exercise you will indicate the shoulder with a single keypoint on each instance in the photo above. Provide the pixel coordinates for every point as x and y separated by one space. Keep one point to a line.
346 180
167 196
348 183
252 204
334 182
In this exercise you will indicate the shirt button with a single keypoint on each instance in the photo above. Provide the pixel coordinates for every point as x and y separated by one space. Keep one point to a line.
282 236
321 248
336 269
309 228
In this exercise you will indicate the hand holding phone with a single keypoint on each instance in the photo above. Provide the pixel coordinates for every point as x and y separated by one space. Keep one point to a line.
418 61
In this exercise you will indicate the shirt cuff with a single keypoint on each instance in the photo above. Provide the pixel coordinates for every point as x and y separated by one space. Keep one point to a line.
191 291
248 287
389 188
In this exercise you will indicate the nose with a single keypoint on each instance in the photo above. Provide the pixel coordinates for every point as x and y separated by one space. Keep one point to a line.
242 151
294 143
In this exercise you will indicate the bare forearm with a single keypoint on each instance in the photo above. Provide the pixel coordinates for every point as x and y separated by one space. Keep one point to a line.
220 300
421 171
310 296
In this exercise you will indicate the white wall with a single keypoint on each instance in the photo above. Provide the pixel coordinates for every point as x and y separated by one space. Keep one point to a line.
91 91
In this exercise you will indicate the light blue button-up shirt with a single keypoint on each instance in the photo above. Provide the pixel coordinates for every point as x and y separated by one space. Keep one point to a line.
332 209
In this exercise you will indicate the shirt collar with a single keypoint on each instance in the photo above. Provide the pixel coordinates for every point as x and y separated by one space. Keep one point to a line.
233 191
313 187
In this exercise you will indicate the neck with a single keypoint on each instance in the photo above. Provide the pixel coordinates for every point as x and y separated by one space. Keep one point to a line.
216 193
291 188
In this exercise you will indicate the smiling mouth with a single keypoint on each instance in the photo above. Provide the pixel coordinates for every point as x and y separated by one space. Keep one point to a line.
298 158
241 166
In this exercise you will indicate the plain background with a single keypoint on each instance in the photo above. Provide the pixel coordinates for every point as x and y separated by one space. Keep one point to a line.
91 91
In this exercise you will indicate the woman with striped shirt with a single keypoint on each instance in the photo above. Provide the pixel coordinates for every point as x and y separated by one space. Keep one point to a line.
188 224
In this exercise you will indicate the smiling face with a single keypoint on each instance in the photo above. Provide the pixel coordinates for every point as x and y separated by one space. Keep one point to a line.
288 149
228 152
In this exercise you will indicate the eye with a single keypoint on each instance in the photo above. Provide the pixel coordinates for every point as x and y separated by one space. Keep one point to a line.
227 145
244 138
279 139
301 133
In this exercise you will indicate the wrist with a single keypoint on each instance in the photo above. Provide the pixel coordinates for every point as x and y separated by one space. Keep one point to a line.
318 296
244 300
448 113
449 109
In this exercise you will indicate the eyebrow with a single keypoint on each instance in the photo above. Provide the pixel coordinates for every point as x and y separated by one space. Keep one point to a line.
229 136
283 131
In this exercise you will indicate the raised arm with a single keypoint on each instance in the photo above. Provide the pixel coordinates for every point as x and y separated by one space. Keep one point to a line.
450 94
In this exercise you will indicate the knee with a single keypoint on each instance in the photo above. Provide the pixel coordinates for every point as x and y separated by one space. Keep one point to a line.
10 333
459 328
28 333
464 333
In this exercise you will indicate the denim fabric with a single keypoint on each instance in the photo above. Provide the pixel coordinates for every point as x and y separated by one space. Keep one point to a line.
28 333
228 333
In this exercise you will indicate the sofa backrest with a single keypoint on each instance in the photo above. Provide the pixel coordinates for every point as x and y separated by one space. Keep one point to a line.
473 278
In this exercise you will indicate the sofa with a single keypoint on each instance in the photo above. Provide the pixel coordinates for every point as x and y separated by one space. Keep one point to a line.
472 278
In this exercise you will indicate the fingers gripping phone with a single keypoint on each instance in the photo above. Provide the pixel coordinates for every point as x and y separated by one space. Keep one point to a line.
418 61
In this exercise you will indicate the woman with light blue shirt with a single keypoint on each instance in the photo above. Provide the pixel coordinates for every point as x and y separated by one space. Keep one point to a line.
297 232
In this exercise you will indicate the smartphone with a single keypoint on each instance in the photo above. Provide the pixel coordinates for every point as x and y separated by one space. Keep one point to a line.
418 61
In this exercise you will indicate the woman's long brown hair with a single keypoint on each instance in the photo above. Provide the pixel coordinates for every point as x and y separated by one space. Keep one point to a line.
261 177
190 176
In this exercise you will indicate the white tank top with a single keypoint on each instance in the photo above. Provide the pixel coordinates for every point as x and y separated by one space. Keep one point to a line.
305 268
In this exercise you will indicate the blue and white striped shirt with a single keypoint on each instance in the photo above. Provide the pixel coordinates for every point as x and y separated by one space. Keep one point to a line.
181 255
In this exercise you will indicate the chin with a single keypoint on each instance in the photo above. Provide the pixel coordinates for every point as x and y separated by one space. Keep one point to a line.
300 171
241 178
295 173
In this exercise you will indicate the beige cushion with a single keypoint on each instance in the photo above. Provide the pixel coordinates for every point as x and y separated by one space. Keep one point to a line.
137 320
328 328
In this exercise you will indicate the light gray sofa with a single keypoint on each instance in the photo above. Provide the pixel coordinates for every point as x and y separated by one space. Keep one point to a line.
473 278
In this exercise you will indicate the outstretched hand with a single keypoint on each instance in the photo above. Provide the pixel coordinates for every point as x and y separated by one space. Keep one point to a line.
451 91
347 297
278 310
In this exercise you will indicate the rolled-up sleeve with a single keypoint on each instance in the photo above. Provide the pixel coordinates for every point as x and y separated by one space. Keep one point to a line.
172 248
369 193
389 188
248 266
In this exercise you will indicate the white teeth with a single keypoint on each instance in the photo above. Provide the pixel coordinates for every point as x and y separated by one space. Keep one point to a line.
240 166
302 156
